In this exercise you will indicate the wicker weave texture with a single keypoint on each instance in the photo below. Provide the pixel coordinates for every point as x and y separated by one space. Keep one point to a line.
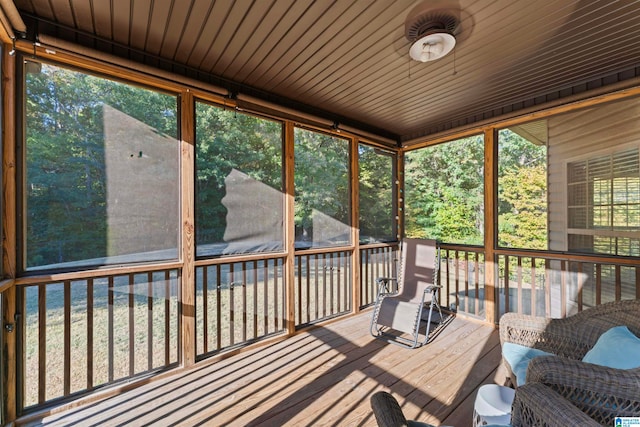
600 392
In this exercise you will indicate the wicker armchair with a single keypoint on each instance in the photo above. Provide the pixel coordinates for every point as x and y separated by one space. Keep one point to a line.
601 392
538 405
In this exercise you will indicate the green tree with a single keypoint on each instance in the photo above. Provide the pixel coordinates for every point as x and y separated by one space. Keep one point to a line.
522 192
376 195
444 187
65 192
228 140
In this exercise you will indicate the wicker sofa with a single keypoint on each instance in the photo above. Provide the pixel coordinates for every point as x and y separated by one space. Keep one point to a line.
601 392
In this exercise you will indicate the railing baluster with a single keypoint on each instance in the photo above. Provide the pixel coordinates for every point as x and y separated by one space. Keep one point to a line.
167 317
618 290
111 328
67 338
448 282
332 304
533 287
149 321
547 287
276 268
244 301
580 286
324 286
265 293
255 299
476 270
42 343
507 308
232 304
563 289
520 296
598 284
90 333
205 309
218 288
132 336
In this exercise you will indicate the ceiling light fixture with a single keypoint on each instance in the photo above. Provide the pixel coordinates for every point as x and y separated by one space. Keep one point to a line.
432 33
432 46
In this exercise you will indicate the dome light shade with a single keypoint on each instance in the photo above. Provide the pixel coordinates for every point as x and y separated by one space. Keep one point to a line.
432 46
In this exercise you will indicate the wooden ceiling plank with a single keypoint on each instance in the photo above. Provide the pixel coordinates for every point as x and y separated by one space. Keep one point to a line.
381 27
121 23
284 46
63 13
175 27
241 22
255 40
158 25
102 18
202 25
43 8
272 38
83 15
327 28
140 13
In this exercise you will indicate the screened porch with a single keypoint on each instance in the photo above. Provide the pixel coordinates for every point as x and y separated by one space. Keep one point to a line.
195 237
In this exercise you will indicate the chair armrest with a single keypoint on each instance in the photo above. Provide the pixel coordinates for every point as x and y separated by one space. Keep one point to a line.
600 391
538 405
386 410
383 285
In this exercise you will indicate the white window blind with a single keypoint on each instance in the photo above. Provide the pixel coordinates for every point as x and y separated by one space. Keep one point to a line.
604 204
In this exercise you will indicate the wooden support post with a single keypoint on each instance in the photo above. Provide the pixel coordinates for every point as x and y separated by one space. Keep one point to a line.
490 223
290 228
398 202
355 226
188 288
9 251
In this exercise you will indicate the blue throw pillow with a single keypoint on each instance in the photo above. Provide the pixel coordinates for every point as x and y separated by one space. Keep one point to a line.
518 356
617 348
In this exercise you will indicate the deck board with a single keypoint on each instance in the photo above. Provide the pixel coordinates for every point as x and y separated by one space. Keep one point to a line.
323 376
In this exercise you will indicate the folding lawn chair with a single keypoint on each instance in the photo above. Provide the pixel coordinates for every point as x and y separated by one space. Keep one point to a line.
402 311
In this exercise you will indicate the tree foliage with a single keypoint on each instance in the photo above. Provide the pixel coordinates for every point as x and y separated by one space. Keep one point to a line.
444 187
376 195
445 198
228 140
66 189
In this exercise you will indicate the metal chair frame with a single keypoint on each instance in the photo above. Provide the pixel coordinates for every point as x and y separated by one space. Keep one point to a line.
431 290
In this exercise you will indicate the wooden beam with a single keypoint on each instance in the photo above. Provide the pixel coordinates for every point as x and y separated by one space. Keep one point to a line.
355 225
398 203
187 202
9 367
290 229
490 222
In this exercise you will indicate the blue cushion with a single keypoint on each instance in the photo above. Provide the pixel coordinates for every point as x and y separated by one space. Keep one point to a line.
518 356
617 348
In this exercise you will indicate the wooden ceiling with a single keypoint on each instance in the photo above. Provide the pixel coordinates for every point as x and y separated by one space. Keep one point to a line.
347 61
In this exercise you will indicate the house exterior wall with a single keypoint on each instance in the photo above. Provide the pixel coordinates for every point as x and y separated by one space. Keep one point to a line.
581 135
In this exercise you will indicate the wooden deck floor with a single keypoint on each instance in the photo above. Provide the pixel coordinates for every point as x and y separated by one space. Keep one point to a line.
320 377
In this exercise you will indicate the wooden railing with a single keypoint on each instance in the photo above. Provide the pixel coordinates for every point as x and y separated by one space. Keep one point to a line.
554 284
238 302
376 261
462 277
322 285
542 283
81 333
